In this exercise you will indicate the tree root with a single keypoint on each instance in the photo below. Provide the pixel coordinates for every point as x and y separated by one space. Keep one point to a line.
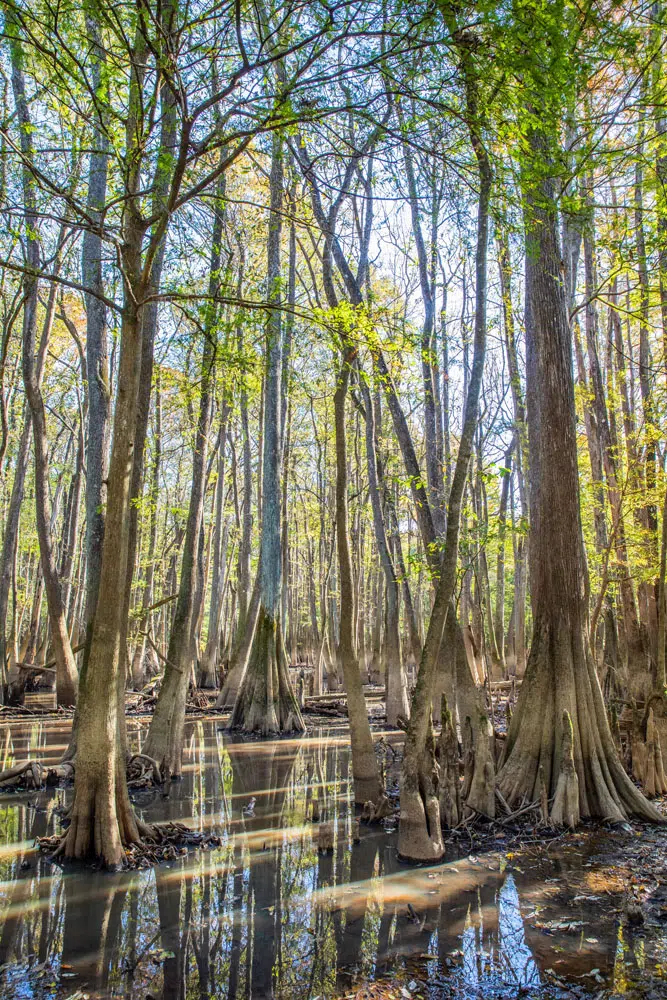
565 806
143 771
449 785
31 775
654 772
375 812
163 842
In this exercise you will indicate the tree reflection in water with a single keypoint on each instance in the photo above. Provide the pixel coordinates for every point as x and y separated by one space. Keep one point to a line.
265 915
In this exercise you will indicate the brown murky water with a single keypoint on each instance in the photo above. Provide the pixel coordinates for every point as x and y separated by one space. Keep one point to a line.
265 915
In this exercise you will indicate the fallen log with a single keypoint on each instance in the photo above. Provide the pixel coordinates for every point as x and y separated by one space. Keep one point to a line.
50 664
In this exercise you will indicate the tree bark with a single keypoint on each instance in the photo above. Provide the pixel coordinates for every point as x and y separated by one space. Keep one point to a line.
365 772
266 702
138 670
209 668
419 835
560 676
396 686
97 360
164 741
66 672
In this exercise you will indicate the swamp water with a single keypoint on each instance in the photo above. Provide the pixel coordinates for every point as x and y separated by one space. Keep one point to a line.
265 915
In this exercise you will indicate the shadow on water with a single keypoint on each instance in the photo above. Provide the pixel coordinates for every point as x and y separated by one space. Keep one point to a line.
267 915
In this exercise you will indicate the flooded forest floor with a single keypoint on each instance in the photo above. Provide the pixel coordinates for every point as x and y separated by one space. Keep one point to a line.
263 913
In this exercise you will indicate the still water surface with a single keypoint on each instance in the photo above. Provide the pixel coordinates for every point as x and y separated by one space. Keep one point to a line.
266 915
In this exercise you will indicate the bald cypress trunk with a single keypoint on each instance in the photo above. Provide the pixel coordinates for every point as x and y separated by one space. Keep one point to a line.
420 836
560 675
265 701
518 624
102 821
428 366
209 668
138 668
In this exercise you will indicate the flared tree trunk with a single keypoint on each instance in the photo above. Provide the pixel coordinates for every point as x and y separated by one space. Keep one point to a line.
102 821
265 702
238 661
419 836
560 675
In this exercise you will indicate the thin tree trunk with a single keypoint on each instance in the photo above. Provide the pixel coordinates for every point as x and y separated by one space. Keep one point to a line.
11 535
138 669
396 686
212 651
164 741
66 672
97 360
365 773
420 835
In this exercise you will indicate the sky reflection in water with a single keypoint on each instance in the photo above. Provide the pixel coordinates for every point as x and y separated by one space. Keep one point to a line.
266 915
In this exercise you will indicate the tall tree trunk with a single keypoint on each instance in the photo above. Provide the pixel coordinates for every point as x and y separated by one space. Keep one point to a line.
433 466
11 536
164 741
265 701
66 672
560 690
606 447
520 564
420 836
102 821
72 525
212 651
396 685
97 361
246 533
365 773
499 611
648 515
138 670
